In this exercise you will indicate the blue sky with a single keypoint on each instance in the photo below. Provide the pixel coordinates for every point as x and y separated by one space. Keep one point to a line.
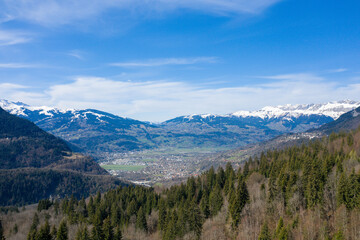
157 59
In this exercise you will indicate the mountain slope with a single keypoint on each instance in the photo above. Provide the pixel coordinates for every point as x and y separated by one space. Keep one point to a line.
345 123
38 164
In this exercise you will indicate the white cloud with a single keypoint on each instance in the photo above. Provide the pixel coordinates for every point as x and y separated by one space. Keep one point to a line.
13 37
18 65
57 12
161 100
165 61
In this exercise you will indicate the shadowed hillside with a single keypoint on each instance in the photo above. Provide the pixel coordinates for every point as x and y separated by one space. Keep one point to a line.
35 165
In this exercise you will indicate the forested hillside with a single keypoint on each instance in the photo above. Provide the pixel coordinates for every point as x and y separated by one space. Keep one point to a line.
302 192
35 164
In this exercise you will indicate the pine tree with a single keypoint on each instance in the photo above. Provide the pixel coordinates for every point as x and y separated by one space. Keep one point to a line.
44 232
238 202
62 233
215 200
162 214
342 190
108 229
204 205
35 221
220 177
83 210
141 220
353 191
195 219
82 233
283 235
97 231
171 231
91 208
246 168
211 177
115 214
265 234
279 226
33 228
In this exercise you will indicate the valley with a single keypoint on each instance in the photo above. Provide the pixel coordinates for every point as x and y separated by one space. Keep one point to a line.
160 166
168 152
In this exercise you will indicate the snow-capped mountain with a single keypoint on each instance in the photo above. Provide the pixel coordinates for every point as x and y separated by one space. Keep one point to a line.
97 132
90 130
330 109
272 120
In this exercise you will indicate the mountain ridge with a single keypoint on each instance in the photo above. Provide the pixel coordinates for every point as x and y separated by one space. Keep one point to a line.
101 134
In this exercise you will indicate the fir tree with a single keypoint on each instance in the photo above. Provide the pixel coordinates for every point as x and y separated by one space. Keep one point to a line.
211 177
97 231
220 177
141 220
62 233
195 219
238 202
215 200
162 214
279 226
33 228
342 190
265 234
108 230
82 233
171 230
204 205
246 168
44 232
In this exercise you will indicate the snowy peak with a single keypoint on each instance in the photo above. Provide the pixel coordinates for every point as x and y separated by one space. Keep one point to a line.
22 109
44 112
331 109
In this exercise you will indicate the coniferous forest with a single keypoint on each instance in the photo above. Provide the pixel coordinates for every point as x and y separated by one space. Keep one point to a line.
303 192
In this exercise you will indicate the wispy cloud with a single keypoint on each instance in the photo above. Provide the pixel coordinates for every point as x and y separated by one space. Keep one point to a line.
11 86
337 70
13 37
65 11
161 100
165 61
295 77
76 54
18 65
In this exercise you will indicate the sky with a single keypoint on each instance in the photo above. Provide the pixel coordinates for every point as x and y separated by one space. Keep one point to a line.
157 59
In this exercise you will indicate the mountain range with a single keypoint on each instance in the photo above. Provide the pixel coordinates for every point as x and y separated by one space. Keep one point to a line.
97 133
348 121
